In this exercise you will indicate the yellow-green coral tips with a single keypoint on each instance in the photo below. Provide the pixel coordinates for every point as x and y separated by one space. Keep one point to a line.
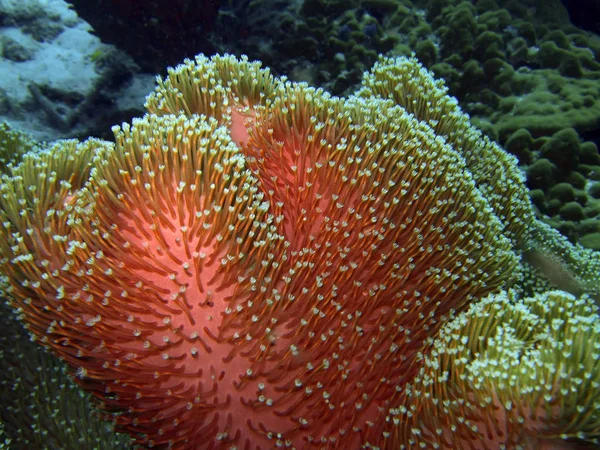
13 145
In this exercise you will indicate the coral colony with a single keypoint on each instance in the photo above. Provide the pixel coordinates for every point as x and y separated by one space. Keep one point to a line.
256 264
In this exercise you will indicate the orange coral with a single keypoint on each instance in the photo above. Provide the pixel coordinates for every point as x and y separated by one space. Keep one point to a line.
271 284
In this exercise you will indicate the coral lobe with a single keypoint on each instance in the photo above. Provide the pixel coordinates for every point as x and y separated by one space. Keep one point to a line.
254 263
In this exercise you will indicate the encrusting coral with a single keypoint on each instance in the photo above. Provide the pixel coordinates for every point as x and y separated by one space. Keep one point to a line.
256 263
